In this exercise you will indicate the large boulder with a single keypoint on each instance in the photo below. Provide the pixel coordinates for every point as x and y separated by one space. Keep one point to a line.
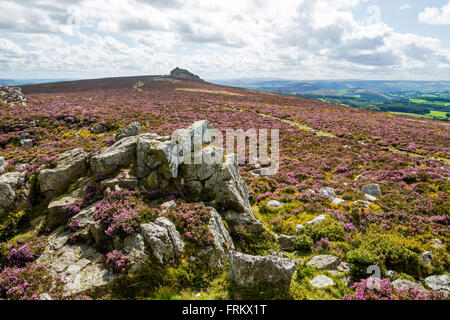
133 129
120 154
249 271
58 211
441 282
163 239
372 189
325 262
14 193
71 166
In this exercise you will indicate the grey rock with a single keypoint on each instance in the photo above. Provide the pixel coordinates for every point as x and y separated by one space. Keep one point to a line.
372 189
71 166
26 142
321 281
427 257
57 214
174 235
134 246
44 296
337 201
404 284
317 220
325 262
344 267
14 193
390 274
133 129
365 204
217 253
98 128
277 254
286 243
370 198
274 204
440 282
3 164
436 243
168 205
328 193
123 180
360 177
120 154
249 271
245 220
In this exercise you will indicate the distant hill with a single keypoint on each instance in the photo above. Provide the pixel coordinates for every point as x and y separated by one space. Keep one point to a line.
19 82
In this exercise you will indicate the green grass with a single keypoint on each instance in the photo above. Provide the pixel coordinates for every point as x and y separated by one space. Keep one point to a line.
437 115
422 101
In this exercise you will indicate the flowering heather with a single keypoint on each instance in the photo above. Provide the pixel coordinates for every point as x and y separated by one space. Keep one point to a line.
192 221
27 283
382 289
117 261
20 252
120 211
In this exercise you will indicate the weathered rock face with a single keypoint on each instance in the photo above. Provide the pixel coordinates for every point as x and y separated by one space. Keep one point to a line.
123 180
372 189
217 253
325 262
2 165
245 220
79 266
133 129
441 282
71 166
120 154
14 194
163 239
249 271
57 214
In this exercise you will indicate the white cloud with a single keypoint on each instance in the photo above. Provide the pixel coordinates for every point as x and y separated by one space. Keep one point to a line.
406 6
436 16
292 39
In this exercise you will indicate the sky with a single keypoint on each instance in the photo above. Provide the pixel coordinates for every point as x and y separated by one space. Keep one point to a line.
218 39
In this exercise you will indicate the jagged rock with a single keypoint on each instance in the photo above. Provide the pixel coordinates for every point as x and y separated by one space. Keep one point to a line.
79 266
325 262
163 239
3 164
217 253
134 246
183 73
404 284
316 220
427 257
123 180
99 128
71 166
245 220
328 193
286 243
131 130
57 213
441 282
120 154
275 204
14 193
154 154
321 281
372 189
277 254
249 271
203 170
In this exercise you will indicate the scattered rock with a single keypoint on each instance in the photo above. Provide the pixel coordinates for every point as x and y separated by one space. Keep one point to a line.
404 284
286 243
275 204
71 166
325 262
12 96
360 177
321 281
120 154
344 267
99 128
57 212
319 219
427 257
390 274
365 204
328 193
131 130
436 243
245 220
372 189
441 282
169 205
337 201
249 271
370 198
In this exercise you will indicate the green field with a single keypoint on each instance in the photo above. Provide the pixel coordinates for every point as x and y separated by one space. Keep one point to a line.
422 101
436 115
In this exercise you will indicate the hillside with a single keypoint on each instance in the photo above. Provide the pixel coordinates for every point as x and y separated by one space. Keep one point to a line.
355 188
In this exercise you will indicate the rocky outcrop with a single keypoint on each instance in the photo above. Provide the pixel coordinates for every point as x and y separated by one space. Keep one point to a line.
217 253
57 211
12 96
120 154
183 73
249 271
14 193
71 166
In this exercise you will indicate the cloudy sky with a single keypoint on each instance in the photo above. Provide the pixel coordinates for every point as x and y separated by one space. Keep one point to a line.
219 39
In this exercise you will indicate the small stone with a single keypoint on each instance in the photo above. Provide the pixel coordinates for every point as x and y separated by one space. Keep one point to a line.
372 189
319 219
390 274
404 284
427 257
328 193
325 262
337 201
436 243
370 198
286 243
169 205
321 281
274 204
44 296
